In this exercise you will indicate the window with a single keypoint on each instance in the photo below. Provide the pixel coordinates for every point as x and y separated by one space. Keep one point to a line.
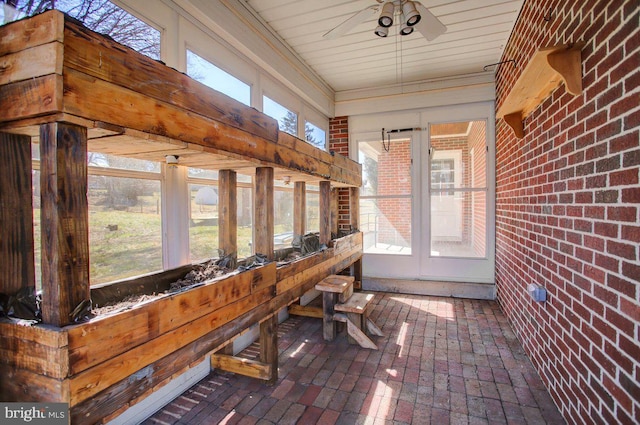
283 215
287 120
125 231
313 209
315 135
98 15
210 75
203 214
458 189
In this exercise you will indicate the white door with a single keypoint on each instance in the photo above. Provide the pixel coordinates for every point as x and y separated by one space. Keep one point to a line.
426 204
457 217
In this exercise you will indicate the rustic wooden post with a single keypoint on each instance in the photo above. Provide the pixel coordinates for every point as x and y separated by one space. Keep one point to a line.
65 221
354 221
16 215
263 215
299 209
228 213
325 212
228 223
263 237
269 345
335 214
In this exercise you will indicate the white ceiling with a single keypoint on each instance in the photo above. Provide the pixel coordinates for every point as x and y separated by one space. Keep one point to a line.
477 31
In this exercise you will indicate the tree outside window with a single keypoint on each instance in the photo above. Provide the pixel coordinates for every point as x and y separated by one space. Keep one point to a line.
98 15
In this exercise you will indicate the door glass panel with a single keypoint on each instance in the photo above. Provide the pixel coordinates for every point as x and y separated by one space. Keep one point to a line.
385 200
457 182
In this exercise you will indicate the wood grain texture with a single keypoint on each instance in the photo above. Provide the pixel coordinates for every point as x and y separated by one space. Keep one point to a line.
263 212
245 367
30 63
306 311
325 212
103 338
106 374
110 399
334 212
100 57
299 208
30 98
40 29
36 349
228 213
269 346
354 208
64 221
16 215
22 384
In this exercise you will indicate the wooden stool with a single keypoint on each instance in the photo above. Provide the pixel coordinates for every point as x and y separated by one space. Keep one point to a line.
335 289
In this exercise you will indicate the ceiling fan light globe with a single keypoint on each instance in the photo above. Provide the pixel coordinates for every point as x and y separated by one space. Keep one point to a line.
386 16
406 29
411 14
381 31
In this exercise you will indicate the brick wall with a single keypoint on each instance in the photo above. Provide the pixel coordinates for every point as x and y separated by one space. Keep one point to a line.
568 202
394 178
477 144
339 144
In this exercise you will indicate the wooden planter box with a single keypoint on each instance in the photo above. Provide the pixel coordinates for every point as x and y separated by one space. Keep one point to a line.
104 366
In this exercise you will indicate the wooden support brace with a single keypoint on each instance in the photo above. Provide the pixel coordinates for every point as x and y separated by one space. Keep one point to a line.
245 367
372 328
306 311
269 346
357 334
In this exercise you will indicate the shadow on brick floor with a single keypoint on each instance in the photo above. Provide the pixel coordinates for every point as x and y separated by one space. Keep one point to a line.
441 361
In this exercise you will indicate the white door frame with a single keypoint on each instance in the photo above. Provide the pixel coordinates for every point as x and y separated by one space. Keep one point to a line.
420 265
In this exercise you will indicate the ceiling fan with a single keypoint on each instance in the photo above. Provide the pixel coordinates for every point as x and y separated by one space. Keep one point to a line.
412 15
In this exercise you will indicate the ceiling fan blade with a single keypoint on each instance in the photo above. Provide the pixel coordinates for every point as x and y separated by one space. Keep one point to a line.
430 27
348 25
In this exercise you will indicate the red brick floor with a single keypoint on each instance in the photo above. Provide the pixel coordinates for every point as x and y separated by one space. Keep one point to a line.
441 361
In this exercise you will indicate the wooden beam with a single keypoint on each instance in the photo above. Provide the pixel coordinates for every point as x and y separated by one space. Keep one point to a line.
269 346
245 367
31 63
263 216
228 213
30 98
65 221
103 58
306 311
325 212
299 208
16 215
39 29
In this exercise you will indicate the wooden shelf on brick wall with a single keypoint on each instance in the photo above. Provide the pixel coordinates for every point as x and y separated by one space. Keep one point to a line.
548 67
